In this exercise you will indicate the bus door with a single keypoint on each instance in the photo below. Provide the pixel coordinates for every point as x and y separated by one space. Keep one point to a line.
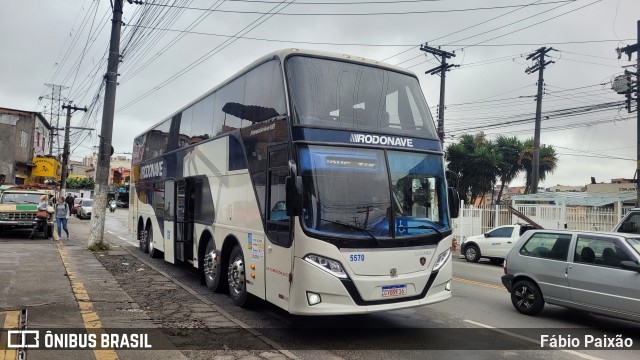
185 198
169 220
279 249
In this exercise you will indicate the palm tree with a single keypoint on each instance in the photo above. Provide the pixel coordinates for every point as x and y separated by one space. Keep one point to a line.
510 167
548 161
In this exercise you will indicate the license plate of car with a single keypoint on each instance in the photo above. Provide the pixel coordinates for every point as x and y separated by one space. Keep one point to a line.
25 223
394 290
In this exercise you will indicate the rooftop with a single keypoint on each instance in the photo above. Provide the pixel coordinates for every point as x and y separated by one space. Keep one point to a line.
579 198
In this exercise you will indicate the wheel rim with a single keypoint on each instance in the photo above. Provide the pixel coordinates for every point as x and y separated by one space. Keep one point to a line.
471 253
142 239
525 297
210 265
236 276
149 240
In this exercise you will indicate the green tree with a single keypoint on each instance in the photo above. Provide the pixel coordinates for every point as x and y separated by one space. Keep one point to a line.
547 164
510 166
476 163
80 183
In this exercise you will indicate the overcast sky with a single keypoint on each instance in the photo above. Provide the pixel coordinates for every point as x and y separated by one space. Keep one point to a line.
65 42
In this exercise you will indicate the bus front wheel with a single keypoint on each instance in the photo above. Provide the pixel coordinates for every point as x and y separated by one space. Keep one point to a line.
236 278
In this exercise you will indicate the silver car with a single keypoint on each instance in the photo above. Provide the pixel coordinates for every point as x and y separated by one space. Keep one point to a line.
597 272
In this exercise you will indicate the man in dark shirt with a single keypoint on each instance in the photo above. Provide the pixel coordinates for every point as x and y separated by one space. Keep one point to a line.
69 200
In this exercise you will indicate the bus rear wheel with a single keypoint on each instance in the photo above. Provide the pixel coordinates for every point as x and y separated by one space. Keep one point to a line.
211 268
236 278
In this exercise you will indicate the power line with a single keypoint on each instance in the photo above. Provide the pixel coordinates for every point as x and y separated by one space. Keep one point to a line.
538 23
365 14
464 29
257 22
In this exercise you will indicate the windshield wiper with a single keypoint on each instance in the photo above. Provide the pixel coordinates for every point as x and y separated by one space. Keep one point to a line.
354 227
420 227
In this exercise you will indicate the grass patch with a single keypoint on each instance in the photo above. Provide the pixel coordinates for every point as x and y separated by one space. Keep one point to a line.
99 246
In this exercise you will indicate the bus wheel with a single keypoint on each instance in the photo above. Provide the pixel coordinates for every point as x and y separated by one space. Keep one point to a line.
236 277
211 267
142 240
150 244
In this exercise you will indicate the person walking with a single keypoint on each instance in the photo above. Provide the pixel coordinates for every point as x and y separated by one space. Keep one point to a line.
69 200
62 214
41 217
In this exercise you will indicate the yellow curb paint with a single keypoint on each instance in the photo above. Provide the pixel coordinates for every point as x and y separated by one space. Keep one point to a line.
479 283
11 322
90 318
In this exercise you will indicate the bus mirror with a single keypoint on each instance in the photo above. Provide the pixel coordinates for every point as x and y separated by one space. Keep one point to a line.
454 202
293 187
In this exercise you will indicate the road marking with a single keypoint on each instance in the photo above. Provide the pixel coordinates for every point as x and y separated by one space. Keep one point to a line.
89 316
11 322
497 287
572 352
130 242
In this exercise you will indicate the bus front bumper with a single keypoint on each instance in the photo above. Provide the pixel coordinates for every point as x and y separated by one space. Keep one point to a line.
362 294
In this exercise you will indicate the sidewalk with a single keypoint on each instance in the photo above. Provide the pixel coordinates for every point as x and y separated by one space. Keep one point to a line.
63 285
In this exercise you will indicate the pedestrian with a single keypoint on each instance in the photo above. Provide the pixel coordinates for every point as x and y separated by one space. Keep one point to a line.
41 217
69 200
62 214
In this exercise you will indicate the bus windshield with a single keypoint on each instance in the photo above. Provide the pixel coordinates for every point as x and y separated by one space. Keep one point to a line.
351 192
343 95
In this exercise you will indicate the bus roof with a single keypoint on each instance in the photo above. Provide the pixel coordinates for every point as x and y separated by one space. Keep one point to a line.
283 54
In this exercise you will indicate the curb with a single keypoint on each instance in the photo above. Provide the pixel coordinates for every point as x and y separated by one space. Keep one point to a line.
238 322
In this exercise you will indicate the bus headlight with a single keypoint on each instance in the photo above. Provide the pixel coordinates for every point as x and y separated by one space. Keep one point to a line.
442 258
331 266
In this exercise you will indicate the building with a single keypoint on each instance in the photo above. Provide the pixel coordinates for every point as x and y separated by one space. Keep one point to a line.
120 168
25 136
77 170
616 185
564 188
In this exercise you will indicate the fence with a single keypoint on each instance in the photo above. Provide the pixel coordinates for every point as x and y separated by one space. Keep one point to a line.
476 220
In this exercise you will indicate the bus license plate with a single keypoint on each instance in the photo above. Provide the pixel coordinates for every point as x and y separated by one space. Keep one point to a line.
394 290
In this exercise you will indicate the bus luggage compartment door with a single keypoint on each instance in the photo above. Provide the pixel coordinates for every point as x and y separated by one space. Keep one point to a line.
184 219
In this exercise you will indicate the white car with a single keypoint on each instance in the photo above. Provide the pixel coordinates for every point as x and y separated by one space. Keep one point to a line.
85 208
494 244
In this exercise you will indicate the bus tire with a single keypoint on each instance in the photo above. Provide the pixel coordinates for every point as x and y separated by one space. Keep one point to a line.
142 240
153 252
236 278
211 267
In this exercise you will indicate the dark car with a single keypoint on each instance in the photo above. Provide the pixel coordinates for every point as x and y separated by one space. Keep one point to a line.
74 209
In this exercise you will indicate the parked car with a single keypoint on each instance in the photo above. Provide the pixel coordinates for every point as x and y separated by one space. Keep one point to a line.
76 203
630 222
85 208
494 244
597 272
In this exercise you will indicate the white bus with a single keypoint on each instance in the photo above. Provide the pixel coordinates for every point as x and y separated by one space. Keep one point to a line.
312 180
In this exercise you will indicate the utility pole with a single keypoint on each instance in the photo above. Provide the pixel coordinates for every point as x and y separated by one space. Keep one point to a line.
442 70
66 151
539 66
106 131
56 95
630 49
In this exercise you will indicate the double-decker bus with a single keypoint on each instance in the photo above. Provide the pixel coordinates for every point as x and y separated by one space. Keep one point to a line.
312 180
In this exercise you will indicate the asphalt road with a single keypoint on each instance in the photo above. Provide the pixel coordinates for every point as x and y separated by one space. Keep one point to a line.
479 302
